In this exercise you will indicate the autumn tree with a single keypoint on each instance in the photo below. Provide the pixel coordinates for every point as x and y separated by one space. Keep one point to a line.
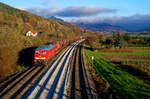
93 41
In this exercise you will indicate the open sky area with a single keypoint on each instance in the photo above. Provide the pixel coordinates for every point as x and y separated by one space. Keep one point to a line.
115 12
122 7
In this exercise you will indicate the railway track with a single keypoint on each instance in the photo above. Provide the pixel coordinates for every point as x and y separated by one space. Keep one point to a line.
53 82
81 86
18 85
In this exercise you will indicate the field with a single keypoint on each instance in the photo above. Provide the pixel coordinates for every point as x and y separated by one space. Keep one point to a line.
136 58
127 51
122 83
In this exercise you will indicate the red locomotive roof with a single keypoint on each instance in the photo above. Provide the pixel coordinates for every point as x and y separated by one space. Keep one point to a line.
47 47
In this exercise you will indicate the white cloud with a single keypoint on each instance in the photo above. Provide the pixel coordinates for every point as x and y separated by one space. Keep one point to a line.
77 11
73 11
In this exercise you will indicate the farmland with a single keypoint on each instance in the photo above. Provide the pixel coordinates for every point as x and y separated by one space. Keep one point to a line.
129 52
122 84
137 58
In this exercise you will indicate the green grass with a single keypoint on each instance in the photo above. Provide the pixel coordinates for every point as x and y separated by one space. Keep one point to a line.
132 53
122 83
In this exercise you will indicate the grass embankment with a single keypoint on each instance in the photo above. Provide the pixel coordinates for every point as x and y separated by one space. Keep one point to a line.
124 85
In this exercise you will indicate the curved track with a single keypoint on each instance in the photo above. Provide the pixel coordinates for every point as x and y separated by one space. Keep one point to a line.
57 81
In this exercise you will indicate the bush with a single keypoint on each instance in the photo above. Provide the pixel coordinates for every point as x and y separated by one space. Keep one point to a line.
93 41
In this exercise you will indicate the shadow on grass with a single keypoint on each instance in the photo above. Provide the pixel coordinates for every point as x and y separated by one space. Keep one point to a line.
135 72
26 57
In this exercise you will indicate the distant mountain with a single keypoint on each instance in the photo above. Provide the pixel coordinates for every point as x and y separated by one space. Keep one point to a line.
101 27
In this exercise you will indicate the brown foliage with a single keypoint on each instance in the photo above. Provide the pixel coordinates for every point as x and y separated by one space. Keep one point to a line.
93 41
6 63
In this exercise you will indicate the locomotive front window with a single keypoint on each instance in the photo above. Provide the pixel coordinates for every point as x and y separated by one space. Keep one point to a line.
43 52
37 52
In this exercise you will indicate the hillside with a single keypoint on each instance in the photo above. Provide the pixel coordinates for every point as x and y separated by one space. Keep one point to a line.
14 24
101 27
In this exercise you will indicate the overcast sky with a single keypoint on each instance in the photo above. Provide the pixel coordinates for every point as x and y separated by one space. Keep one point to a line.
111 11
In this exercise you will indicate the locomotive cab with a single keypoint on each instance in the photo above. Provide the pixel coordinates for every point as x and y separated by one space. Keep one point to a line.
40 57
43 53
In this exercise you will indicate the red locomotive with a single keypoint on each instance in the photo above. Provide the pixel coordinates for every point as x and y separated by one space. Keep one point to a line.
44 52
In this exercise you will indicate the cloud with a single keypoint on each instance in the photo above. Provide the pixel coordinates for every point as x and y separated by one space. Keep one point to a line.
42 12
76 11
73 11
133 23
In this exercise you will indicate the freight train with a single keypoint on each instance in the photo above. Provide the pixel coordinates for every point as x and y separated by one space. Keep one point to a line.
45 52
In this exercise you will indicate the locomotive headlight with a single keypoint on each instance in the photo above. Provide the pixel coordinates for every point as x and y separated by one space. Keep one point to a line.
37 58
43 57
40 57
